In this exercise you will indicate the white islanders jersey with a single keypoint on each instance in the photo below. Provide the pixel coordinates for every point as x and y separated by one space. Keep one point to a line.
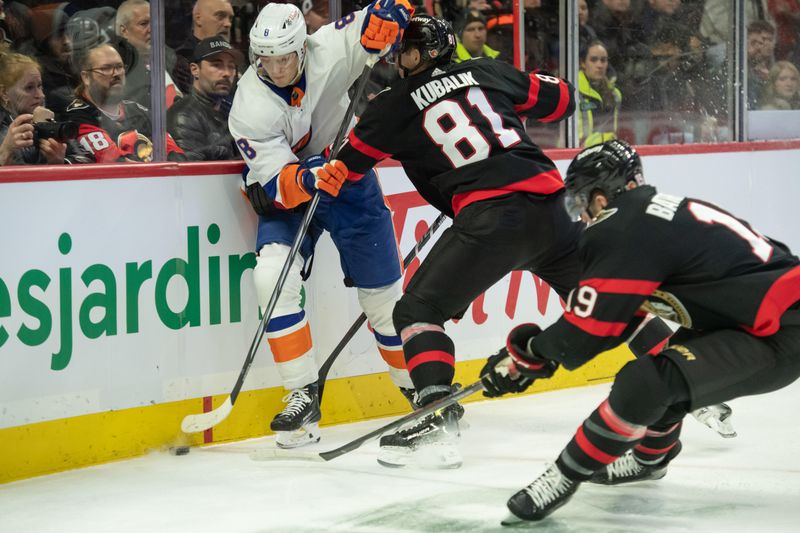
271 133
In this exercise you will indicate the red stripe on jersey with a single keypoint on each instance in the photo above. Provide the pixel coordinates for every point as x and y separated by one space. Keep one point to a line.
547 182
591 450
598 328
618 425
533 95
655 350
366 149
783 293
622 286
563 102
432 356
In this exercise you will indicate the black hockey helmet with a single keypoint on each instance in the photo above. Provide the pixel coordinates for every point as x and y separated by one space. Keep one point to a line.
607 168
433 37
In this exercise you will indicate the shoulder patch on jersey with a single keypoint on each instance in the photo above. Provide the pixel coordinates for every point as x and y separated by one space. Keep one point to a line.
77 104
605 214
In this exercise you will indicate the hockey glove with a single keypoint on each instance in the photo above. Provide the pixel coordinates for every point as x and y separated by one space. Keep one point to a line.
514 368
261 202
324 175
384 24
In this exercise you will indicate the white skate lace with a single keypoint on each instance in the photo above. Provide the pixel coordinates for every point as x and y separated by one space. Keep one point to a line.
623 467
548 487
297 401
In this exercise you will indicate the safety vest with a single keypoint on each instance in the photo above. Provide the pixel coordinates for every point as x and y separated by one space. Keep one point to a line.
462 54
590 102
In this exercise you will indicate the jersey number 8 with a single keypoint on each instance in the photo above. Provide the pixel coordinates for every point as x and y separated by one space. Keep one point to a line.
449 126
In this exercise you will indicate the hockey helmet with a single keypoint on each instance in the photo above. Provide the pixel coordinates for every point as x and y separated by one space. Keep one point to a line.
279 29
433 37
607 168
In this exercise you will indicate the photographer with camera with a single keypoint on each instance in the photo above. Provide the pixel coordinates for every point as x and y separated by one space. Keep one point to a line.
28 134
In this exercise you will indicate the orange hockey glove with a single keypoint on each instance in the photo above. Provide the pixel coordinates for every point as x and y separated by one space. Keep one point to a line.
384 24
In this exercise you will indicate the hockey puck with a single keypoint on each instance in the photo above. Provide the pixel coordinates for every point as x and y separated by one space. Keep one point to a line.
179 450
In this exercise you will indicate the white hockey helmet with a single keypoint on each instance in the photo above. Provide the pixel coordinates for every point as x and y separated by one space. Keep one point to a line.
280 29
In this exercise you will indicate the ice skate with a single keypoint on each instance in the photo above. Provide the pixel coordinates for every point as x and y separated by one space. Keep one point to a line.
430 442
547 493
297 425
628 469
717 418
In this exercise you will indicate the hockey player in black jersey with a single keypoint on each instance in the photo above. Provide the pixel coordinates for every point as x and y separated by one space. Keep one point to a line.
458 132
735 293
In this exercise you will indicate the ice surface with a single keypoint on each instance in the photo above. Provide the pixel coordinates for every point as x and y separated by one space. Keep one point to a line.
750 483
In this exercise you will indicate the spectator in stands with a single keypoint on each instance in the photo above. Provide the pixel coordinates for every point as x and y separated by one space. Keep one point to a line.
52 47
760 58
500 28
111 128
133 25
717 21
471 33
783 88
599 98
21 109
786 14
586 33
616 26
653 14
210 18
199 121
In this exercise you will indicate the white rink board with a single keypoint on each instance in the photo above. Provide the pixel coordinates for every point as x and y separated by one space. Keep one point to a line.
115 222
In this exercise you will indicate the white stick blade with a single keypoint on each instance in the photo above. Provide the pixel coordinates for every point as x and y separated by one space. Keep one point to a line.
204 421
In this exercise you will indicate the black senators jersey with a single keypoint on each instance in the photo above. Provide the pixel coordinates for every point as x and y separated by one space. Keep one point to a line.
457 131
126 138
683 259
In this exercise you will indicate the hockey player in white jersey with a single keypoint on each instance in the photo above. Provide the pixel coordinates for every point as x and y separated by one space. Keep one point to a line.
287 110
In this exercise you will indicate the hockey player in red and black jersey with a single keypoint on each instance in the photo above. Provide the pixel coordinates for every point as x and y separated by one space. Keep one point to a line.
458 131
109 127
734 292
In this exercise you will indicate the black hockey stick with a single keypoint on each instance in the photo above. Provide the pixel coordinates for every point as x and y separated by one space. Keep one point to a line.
271 454
204 421
326 366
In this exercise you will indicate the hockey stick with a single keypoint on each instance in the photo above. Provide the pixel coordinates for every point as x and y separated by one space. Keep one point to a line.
270 454
204 421
326 366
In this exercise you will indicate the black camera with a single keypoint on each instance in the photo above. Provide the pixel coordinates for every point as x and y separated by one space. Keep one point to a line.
50 129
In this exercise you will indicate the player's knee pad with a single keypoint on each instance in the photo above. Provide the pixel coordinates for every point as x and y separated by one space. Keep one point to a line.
269 263
640 395
378 305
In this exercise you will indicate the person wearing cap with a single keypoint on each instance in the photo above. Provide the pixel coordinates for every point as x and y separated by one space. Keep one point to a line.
472 38
199 121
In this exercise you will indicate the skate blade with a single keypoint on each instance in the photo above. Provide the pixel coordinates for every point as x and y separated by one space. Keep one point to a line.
437 456
513 520
308 434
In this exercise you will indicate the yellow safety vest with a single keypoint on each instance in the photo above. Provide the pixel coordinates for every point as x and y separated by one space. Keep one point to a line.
589 100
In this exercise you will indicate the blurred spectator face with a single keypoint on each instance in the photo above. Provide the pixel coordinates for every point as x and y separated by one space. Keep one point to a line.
618 6
282 70
104 76
760 47
60 45
27 93
583 12
136 29
474 37
787 82
214 76
212 18
533 4
668 7
595 64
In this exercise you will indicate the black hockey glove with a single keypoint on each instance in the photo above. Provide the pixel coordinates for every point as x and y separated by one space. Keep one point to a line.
262 204
514 368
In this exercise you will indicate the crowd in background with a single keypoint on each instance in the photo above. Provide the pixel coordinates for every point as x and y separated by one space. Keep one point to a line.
75 76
